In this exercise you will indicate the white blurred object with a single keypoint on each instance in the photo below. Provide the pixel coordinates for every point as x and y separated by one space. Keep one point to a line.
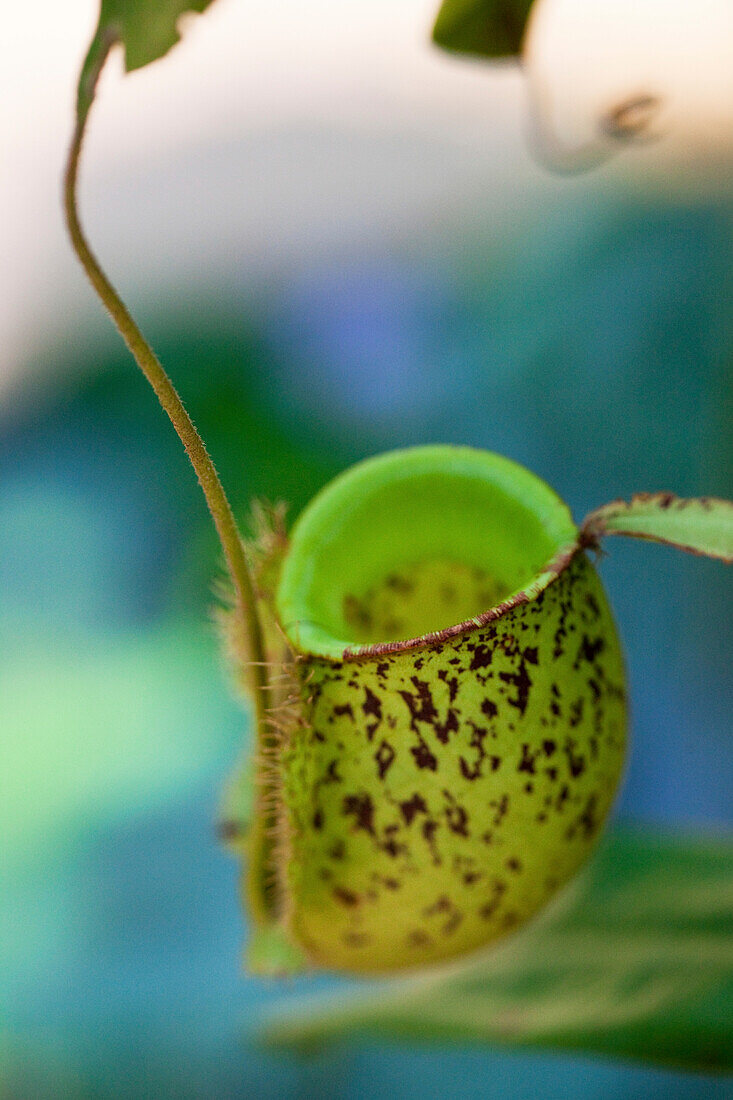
276 132
606 73
272 131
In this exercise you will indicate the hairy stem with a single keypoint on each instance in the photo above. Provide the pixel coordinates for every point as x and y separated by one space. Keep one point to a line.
146 359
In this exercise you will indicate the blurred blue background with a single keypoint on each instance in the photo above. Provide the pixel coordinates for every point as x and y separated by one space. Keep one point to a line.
349 273
597 352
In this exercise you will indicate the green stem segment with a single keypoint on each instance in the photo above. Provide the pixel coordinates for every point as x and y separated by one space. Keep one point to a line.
146 359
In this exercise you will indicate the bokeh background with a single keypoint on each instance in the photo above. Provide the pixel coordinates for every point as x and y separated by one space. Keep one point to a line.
339 242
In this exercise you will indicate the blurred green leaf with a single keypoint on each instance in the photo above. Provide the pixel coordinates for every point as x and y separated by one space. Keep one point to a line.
700 526
99 728
146 28
635 961
34 1067
488 28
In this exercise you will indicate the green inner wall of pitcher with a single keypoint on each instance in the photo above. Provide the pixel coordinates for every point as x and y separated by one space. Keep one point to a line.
413 542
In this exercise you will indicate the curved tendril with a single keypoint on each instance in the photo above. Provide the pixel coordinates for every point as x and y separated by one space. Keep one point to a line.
171 403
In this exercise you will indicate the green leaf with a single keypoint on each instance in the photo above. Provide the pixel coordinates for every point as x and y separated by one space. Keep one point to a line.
635 961
700 525
147 29
488 28
102 728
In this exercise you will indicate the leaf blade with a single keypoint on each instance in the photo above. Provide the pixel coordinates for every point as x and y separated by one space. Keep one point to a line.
147 30
484 28
635 963
697 525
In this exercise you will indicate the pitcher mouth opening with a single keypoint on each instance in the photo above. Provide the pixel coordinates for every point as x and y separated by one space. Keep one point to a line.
524 595
415 546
